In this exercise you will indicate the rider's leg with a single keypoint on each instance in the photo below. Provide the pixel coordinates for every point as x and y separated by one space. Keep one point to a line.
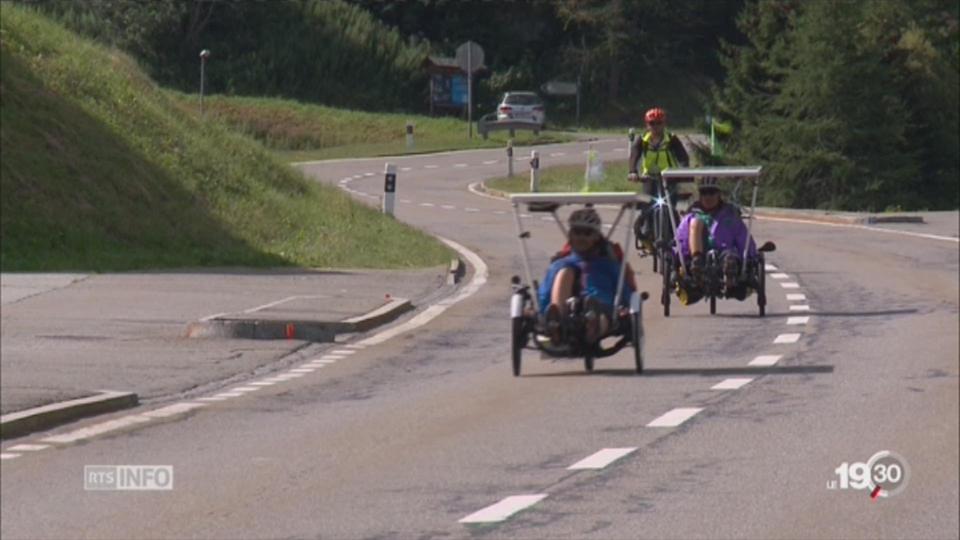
563 288
597 317
698 241
730 262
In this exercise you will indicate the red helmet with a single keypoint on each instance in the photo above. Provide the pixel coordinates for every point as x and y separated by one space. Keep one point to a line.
655 114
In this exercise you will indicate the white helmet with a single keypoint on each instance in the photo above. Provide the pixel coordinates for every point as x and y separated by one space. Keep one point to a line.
586 218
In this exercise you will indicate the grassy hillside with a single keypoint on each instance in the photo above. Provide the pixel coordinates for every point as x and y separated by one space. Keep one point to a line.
300 131
103 170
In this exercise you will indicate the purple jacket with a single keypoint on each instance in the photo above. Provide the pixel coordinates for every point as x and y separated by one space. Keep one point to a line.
727 231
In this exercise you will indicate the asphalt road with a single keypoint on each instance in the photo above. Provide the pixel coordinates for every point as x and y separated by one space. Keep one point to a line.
408 437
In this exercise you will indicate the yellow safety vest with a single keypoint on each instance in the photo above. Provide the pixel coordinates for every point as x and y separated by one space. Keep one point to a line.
656 160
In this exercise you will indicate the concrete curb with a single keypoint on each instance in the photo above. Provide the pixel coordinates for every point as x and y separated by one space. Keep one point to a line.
20 423
820 216
317 331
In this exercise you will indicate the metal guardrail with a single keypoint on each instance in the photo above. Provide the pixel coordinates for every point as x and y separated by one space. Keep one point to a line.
490 123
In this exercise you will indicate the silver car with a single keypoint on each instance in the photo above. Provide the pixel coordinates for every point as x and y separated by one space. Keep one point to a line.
522 106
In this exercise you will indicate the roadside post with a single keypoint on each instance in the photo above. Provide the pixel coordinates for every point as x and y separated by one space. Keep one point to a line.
389 187
509 158
534 171
632 134
409 134
204 54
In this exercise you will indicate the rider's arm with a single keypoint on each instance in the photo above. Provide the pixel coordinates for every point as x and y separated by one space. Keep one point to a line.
636 154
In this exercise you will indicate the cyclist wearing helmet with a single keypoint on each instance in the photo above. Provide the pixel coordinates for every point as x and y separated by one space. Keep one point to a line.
651 154
713 225
590 272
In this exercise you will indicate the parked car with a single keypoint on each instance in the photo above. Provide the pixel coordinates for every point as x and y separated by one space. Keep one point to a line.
522 106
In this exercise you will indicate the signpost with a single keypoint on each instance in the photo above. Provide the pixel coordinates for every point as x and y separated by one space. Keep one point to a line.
470 58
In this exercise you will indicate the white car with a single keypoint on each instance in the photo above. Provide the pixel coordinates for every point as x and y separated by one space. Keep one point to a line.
522 106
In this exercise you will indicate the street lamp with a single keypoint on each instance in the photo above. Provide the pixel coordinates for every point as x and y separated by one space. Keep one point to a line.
204 54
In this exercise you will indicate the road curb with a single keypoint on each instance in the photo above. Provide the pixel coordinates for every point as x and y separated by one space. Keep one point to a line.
784 213
45 417
303 330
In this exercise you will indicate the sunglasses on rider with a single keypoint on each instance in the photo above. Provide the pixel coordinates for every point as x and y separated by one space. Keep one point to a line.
582 231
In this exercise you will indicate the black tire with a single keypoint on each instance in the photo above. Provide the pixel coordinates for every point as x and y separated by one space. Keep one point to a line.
588 362
518 341
655 257
713 304
761 286
667 285
637 339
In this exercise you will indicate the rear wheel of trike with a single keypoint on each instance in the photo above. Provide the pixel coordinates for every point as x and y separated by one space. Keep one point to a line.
518 339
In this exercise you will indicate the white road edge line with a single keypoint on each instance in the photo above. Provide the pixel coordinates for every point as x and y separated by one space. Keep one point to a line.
503 509
675 417
866 228
480 275
601 459
731 384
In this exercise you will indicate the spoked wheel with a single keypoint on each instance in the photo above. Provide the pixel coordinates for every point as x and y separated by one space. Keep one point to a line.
667 285
637 337
518 342
761 285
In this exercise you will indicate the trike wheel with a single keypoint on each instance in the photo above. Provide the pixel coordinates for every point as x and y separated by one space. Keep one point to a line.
667 286
713 304
588 361
637 338
761 285
518 342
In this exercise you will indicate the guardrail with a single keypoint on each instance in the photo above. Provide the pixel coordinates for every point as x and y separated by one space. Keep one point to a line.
490 123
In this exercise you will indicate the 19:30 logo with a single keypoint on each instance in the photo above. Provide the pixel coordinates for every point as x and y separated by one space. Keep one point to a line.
885 474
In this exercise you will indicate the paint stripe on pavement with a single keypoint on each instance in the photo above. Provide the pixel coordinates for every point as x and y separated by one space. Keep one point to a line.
28 447
770 268
601 459
790 285
731 384
503 509
173 410
779 275
766 360
97 429
794 297
675 417
8 455
798 320
800 308
787 338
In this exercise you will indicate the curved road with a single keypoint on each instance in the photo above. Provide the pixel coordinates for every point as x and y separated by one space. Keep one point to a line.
735 431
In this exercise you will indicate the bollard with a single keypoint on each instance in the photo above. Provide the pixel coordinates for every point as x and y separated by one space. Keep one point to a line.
509 158
534 171
409 135
631 136
389 187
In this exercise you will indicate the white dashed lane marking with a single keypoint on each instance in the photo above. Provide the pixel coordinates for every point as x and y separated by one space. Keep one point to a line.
173 410
472 209
245 389
766 360
369 174
731 384
787 338
800 308
97 429
303 370
342 352
779 275
557 154
601 459
503 509
406 201
427 204
798 320
460 165
491 161
8 455
796 297
770 268
264 382
448 207
790 285
405 169
675 417
430 166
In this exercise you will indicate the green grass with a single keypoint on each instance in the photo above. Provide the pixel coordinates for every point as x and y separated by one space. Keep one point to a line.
102 170
300 132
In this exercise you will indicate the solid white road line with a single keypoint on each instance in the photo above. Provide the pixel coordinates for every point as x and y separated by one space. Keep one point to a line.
245 389
866 228
264 382
799 308
27 447
787 338
97 429
766 360
303 370
601 459
173 410
798 320
779 275
503 509
6 455
675 417
796 296
731 384
790 285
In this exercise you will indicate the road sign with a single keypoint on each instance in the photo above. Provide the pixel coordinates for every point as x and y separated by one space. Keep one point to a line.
470 57
560 88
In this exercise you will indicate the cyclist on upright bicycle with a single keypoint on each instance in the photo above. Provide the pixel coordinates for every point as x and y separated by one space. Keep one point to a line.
656 151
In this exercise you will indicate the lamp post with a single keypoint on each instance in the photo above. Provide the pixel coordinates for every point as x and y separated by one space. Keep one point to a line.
204 54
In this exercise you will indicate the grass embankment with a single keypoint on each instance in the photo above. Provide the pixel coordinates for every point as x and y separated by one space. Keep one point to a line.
301 132
102 170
